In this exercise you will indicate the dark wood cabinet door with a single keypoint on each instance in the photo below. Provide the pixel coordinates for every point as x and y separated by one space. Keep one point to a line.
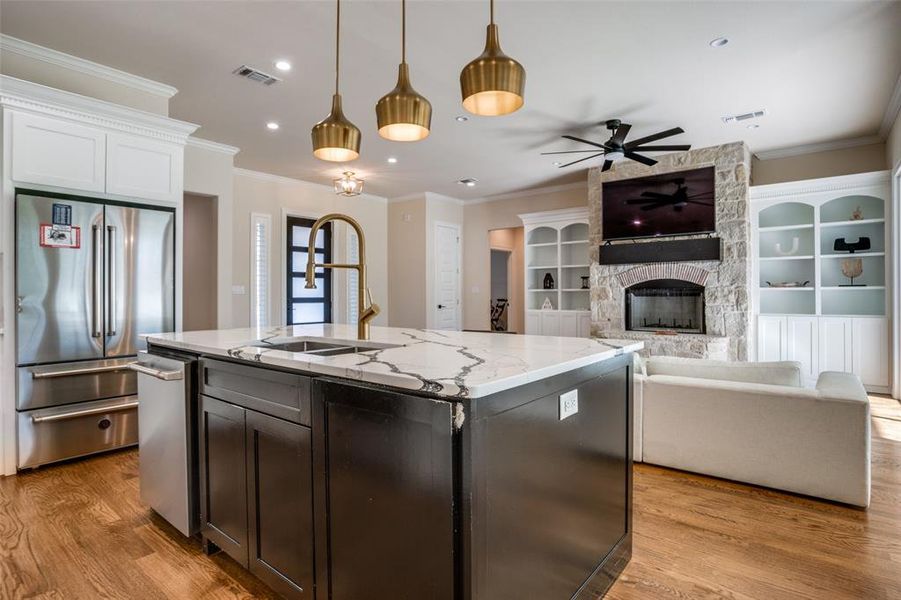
223 479
385 494
280 504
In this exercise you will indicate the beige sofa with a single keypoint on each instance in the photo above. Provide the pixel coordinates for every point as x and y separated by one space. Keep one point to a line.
754 422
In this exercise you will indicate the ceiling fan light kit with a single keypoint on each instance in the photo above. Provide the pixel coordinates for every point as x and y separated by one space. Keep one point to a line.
403 114
335 138
493 84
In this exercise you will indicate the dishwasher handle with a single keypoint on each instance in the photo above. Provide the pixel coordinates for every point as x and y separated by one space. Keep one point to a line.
158 373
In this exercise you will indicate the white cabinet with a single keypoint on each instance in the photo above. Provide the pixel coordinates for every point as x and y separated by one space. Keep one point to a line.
802 344
835 344
550 323
143 168
58 153
870 351
771 338
533 322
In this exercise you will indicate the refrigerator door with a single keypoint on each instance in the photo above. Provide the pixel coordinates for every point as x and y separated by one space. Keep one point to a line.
140 287
59 280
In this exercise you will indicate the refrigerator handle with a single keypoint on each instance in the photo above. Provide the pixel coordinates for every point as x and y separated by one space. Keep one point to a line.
111 280
96 284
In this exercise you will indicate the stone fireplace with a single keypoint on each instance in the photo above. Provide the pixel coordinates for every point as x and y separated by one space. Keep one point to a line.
696 309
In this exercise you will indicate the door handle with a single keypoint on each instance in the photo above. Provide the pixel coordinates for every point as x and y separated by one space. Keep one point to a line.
159 374
81 371
441 306
111 280
97 283
84 413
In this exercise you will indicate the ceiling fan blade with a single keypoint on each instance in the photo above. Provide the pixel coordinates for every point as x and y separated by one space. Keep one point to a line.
656 195
642 159
575 139
642 201
568 152
654 138
621 132
656 206
664 148
581 159
607 165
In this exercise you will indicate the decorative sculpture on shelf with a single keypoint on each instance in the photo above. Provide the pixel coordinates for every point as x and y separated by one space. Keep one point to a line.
548 281
857 215
841 245
793 250
547 304
851 268
585 282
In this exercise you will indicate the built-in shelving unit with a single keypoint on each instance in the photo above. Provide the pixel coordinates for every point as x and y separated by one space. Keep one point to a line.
827 324
557 244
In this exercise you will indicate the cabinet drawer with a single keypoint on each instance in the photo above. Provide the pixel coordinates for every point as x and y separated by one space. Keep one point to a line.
283 395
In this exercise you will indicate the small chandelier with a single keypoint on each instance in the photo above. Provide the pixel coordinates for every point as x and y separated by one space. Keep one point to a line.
348 185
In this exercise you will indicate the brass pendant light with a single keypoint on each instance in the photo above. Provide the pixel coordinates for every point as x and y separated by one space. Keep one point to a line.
403 114
493 84
335 138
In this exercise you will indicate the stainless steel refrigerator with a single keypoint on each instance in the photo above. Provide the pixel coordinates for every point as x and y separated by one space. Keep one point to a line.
91 275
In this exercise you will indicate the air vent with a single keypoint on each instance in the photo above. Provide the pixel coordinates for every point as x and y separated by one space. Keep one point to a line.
255 75
744 116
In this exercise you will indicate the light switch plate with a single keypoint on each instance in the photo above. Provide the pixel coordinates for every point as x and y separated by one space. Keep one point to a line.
569 404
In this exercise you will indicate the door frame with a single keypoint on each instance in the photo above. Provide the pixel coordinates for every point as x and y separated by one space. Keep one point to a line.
894 259
509 253
432 314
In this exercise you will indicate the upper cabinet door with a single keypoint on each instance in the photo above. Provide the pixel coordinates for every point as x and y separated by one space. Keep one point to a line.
57 153
144 168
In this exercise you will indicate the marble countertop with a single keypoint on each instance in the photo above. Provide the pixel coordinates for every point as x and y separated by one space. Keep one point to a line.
451 364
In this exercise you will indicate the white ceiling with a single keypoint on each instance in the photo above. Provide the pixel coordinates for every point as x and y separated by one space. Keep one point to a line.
823 71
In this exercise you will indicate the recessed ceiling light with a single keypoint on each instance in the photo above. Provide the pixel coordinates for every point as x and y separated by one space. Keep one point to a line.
461 118
392 160
282 65
753 126
272 125
468 181
557 163
718 42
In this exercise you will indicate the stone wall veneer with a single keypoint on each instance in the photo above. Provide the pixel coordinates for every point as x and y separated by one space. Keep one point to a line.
727 283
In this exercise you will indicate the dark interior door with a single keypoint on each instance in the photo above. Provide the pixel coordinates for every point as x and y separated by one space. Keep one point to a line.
388 492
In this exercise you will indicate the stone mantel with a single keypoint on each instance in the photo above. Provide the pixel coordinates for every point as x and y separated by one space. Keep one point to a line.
727 282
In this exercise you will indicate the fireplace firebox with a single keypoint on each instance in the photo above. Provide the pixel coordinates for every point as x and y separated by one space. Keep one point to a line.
665 305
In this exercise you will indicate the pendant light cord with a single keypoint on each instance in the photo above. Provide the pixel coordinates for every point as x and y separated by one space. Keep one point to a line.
492 12
337 46
403 31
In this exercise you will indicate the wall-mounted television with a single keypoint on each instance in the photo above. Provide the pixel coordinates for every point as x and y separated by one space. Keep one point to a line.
680 203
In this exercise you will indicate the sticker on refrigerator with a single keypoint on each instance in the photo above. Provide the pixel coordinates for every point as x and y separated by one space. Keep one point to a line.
60 236
62 215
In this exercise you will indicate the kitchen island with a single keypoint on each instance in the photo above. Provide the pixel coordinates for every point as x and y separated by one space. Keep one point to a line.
417 464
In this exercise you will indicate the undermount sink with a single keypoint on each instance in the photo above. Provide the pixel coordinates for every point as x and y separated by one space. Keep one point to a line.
320 348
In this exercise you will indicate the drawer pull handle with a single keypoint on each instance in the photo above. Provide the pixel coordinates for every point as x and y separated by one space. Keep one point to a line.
82 371
164 375
84 413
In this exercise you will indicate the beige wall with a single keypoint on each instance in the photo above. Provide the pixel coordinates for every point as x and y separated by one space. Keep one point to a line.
845 161
893 144
407 261
512 239
199 270
211 173
62 78
482 217
278 197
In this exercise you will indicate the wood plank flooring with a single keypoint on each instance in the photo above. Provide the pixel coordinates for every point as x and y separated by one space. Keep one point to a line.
79 531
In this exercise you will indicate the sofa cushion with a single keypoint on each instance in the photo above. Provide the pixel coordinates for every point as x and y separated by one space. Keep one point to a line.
773 373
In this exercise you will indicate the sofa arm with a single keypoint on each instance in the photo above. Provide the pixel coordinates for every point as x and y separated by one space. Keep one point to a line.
836 385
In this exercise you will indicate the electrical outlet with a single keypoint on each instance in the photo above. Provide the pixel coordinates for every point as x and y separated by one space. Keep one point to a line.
569 404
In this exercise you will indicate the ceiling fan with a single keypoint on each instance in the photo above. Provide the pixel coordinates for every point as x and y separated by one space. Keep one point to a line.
679 199
617 147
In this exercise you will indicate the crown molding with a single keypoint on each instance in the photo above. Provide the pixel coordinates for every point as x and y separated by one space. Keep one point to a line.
891 111
551 189
818 147
281 179
87 67
441 198
31 97
841 183
197 142
575 213
407 197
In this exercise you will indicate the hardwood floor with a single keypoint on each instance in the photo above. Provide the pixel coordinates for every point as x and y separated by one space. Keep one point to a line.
79 531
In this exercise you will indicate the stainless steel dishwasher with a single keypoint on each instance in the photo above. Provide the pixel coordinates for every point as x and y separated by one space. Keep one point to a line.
165 439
